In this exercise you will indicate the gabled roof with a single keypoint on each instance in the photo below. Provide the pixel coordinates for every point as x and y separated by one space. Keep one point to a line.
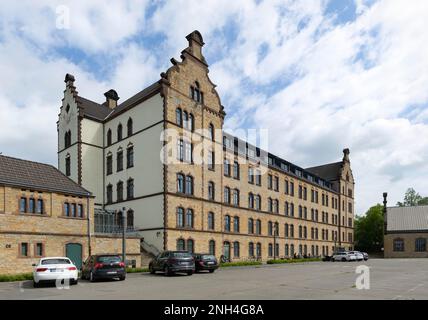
407 218
329 172
92 109
37 176
101 112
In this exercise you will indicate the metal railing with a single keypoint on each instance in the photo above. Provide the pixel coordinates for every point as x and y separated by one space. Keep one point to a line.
107 222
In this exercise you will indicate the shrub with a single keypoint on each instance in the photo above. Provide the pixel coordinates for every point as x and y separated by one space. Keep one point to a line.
137 270
16 277
240 264
278 261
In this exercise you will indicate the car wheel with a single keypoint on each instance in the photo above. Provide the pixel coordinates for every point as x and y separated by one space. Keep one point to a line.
189 273
167 271
36 284
74 282
212 271
122 278
91 277
343 259
152 271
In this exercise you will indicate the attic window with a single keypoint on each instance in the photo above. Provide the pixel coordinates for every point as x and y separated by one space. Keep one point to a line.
196 93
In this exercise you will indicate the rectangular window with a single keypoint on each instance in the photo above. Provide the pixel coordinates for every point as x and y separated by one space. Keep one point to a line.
258 178
250 175
24 250
276 184
23 205
80 211
286 188
120 161
67 167
32 206
291 188
420 245
211 160
270 182
39 250
130 157
73 210
350 207
39 207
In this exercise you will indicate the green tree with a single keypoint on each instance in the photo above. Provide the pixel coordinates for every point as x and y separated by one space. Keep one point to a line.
369 230
411 198
423 202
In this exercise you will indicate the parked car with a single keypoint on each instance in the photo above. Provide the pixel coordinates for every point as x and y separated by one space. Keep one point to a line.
365 255
205 261
51 269
327 258
104 266
343 256
171 262
358 255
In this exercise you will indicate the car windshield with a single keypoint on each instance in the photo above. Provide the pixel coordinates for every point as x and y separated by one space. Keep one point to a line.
208 257
181 255
109 259
55 261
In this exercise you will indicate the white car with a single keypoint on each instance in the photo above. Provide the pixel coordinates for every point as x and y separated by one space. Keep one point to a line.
344 256
54 268
358 255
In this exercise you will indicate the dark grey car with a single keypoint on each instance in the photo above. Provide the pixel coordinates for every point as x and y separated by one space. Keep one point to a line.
171 262
103 267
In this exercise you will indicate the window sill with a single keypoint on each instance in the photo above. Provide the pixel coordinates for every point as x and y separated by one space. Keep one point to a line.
72 218
28 214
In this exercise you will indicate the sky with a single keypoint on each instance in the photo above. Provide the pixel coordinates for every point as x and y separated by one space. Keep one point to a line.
321 75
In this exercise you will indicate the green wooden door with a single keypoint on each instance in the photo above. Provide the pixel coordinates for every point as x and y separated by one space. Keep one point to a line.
73 251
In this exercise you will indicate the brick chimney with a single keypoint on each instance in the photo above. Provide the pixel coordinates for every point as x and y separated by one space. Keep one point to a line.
111 98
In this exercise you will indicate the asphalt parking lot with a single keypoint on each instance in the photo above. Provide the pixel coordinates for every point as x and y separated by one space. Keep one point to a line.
389 279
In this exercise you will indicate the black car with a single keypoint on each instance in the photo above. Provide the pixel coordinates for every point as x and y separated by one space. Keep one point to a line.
171 262
106 266
205 261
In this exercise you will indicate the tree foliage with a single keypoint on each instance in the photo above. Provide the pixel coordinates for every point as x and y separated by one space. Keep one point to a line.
412 198
369 230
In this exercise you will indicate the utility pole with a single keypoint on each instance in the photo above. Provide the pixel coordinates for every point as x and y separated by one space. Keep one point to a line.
124 235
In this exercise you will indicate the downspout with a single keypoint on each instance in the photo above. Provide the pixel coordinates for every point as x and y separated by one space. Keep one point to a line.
89 225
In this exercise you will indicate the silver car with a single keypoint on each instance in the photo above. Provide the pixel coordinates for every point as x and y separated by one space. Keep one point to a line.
358 255
343 256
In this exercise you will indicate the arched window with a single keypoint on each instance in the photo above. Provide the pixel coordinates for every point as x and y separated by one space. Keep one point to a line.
236 249
130 219
185 120
180 183
189 185
189 218
211 132
190 246
109 194
191 125
291 249
178 117
236 197
235 170
129 126
180 245
270 251
109 138
211 190
119 191
119 132
109 163
286 250
258 202
226 168
67 165
258 227
211 221
130 189
398 244
259 250
211 246
276 229
235 224
250 201
270 228
67 139
180 217
119 159
226 194
291 231
119 219
251 249
130 156
286 230
250 226
227 223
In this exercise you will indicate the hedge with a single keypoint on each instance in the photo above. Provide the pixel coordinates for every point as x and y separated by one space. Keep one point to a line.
137 270
278 261
241 264
16 277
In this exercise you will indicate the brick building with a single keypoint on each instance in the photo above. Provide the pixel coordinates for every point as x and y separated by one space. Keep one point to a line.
240 201
44 213
405 232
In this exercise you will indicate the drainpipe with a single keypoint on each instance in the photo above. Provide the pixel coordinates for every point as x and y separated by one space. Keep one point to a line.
89 225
